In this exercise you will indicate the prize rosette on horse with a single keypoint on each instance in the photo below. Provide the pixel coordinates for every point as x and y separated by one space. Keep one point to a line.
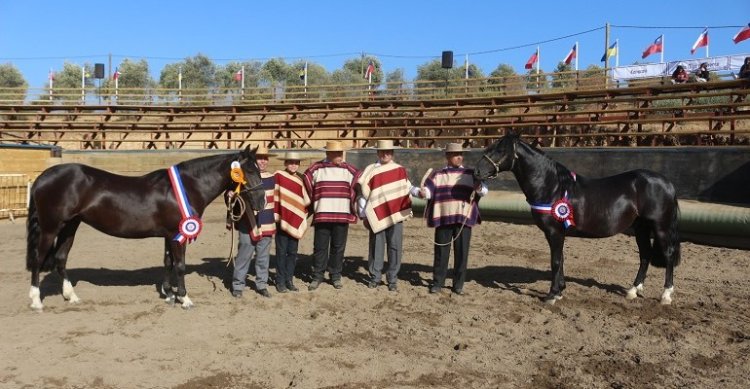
190 225
561 210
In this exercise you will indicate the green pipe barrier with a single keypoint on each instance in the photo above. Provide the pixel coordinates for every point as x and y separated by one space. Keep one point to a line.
695 217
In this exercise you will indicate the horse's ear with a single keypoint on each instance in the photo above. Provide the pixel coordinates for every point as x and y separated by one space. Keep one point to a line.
535 143
247 153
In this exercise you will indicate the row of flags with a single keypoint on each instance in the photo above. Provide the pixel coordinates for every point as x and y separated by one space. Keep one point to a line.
656 47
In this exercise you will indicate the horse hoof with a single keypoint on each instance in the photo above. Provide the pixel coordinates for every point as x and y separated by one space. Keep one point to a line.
186 302
38 307
74 300
632 294
169 300
551 300
666 297
666 301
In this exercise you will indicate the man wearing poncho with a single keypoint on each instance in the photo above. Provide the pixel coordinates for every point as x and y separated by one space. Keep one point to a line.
384 204
452 193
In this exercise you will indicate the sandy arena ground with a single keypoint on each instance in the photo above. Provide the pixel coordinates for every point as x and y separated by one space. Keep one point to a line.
499 334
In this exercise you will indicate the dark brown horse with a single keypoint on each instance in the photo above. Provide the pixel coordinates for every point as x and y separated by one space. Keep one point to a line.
65 195
563 202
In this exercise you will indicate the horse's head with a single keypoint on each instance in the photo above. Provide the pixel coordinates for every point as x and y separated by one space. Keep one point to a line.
498 157
252 191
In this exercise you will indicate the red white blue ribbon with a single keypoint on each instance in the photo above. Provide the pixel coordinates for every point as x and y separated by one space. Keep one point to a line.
190 225
561 210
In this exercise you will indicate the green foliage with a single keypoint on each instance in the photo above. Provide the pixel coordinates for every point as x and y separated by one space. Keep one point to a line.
13 87
435 81
66 86
395 83
133 84
504 80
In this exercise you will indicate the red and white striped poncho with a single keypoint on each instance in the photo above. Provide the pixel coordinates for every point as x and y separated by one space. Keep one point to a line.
331 188
386 189
291 200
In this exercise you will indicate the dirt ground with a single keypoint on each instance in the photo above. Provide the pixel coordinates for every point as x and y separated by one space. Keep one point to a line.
498 334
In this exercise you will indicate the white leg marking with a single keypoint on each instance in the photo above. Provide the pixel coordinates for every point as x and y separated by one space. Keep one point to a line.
666 297
69 294
36 301
186 302
168 299
634 292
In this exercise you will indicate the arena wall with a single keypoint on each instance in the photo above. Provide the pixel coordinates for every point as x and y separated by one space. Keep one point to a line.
713 174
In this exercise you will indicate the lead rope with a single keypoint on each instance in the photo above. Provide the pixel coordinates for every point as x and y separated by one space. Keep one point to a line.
236 199
466 216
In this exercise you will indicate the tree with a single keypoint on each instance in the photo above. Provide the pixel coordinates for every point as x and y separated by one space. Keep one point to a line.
13 87
198 77
67 82
434 81
133 82
505 80
395 84
564 77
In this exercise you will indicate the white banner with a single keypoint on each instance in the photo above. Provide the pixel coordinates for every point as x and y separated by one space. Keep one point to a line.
649 70
632 72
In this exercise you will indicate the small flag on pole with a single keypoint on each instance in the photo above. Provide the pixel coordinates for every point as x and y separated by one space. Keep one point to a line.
238 75
656 47
611 52
532 60
701 42
572 54
370 70
51 75
742 34
116 74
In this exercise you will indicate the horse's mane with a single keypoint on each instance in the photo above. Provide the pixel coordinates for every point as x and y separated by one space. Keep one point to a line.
564 176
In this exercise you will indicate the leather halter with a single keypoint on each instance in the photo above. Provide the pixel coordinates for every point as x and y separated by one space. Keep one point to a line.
496 165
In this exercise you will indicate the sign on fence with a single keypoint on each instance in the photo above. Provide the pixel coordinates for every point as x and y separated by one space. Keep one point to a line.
14 195
650 70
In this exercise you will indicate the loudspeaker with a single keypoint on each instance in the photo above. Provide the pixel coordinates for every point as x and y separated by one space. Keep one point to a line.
98 70
447 59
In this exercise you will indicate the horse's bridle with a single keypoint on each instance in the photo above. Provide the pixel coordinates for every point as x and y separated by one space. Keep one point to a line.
496 165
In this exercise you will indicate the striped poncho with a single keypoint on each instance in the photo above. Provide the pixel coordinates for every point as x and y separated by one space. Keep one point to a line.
291 201
331 188
265 224
451 189
386 189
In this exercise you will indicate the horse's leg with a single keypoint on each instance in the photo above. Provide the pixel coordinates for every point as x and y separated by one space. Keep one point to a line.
166 285
62 248
178 253
662 243
556 241
43 247
643 239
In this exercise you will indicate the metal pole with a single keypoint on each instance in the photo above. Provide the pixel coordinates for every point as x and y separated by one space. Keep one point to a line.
83 84
606 58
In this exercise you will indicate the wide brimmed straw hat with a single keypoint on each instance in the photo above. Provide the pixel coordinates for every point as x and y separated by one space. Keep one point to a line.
263 150
385 144
454 148
334 145
291 156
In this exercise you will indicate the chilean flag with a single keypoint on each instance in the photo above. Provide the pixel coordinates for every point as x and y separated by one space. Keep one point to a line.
369 71
238 75
572 54
742 35
654 48
116 74
701 42
532 60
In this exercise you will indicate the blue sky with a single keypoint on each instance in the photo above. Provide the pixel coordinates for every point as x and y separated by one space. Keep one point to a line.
38 35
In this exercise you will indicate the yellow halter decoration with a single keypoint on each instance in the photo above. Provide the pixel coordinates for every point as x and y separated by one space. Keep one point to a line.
237 175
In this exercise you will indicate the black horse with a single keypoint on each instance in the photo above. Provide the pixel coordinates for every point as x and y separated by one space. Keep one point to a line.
563 202
65 195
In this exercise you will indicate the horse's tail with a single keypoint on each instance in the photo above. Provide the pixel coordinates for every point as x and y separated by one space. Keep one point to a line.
672 254
33 235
